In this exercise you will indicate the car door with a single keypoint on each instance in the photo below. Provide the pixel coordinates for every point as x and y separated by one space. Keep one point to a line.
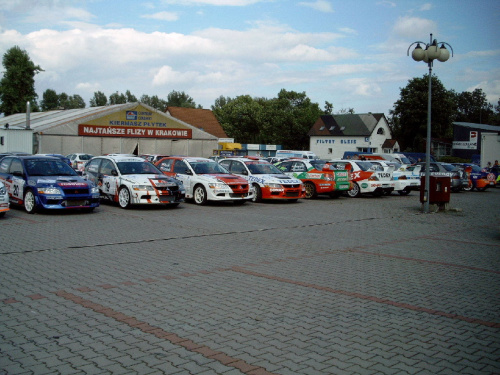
14 177
182 172
91 172
108 178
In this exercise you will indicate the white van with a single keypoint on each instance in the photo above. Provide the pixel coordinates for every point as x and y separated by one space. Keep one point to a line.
282 154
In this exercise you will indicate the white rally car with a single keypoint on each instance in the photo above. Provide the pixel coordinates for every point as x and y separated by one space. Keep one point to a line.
367 178
4 199
404 180
133 180
206 180
267 180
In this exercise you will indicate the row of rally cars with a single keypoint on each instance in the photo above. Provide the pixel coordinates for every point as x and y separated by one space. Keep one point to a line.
44 182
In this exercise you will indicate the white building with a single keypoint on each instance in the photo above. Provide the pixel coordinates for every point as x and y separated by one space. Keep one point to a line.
332 135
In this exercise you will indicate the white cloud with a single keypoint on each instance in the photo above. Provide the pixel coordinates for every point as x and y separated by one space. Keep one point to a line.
347 30
414 27
386 3
320 5
162 16
426 7
213 2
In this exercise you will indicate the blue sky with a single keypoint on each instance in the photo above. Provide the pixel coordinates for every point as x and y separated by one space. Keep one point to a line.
349 53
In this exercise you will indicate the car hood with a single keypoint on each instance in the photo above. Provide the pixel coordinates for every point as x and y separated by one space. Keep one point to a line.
144 179
274 178
63 181
227 178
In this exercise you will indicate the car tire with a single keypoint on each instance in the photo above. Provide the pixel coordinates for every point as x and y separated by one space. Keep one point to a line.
468 188
200 195
310 190
29 202
355 192
124 197
257 197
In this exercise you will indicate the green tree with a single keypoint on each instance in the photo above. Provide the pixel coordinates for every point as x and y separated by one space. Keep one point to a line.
116 98
473 107
155 102
98 100
75 101
50 100
130 98
18 83
180 99
408 119
284 120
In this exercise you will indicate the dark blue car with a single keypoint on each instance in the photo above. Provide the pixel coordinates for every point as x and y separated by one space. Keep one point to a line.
46 182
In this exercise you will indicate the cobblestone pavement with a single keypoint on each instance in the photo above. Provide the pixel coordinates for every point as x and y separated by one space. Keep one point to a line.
325 286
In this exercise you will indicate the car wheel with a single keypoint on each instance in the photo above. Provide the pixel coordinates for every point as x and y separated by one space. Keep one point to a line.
468 188
30 202
200 195
355 191
124 197
310 190
257 197
404 192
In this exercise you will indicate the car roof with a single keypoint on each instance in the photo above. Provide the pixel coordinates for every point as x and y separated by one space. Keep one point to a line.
246 159
121 158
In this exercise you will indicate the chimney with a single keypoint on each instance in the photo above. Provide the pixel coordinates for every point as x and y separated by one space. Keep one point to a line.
28 110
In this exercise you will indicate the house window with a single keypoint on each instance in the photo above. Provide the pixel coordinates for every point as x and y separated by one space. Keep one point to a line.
1 140
380 131
330 150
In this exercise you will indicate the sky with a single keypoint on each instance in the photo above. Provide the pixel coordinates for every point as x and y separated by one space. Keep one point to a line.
350 53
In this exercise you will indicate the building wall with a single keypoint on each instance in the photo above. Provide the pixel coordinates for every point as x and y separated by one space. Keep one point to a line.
16 140
333 147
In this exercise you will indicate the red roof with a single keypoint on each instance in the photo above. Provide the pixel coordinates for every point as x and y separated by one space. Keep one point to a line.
203 119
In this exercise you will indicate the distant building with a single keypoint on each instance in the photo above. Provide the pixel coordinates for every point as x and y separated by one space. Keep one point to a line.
473 140
332 135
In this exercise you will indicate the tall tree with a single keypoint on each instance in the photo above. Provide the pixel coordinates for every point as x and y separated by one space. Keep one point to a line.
180 99
116 98
130 98
154 101
408 119
473 107
18 83
50 100
284 120
98 100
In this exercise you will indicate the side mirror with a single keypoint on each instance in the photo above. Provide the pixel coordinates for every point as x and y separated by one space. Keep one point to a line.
114 172
188 172
244 171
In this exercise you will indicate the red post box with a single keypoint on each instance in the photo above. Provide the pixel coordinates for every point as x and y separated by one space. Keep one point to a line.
439 189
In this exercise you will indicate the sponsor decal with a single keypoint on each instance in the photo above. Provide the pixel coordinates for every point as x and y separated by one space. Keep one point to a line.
135 132
131 115
72 184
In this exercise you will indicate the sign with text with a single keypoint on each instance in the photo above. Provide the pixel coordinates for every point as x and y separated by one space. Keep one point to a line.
133 132
465 145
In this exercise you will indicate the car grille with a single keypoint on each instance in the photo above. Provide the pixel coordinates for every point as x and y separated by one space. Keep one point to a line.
292 194
168 188
73 191
239 189
291 186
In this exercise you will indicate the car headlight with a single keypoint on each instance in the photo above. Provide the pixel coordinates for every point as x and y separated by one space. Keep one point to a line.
49 190
94 190
3 190
275 186
217 185
142 187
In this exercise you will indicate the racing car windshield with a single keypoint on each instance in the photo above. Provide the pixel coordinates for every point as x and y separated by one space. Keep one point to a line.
137 167
318 164
48 167
208 168
262 168
364 165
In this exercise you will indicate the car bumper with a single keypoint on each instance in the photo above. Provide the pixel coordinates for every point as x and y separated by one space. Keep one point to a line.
375 186
65 203
283 193
401 185
145 197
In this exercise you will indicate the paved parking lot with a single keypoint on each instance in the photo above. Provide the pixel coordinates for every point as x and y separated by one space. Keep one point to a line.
328 286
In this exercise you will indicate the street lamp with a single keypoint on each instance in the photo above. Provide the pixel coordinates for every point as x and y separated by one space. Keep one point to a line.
432 52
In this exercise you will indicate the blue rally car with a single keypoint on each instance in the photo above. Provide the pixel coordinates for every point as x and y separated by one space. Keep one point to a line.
46 182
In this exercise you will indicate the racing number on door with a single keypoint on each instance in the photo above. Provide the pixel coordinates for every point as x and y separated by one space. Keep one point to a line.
16 191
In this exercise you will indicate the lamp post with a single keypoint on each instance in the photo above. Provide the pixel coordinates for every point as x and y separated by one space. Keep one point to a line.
432 52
